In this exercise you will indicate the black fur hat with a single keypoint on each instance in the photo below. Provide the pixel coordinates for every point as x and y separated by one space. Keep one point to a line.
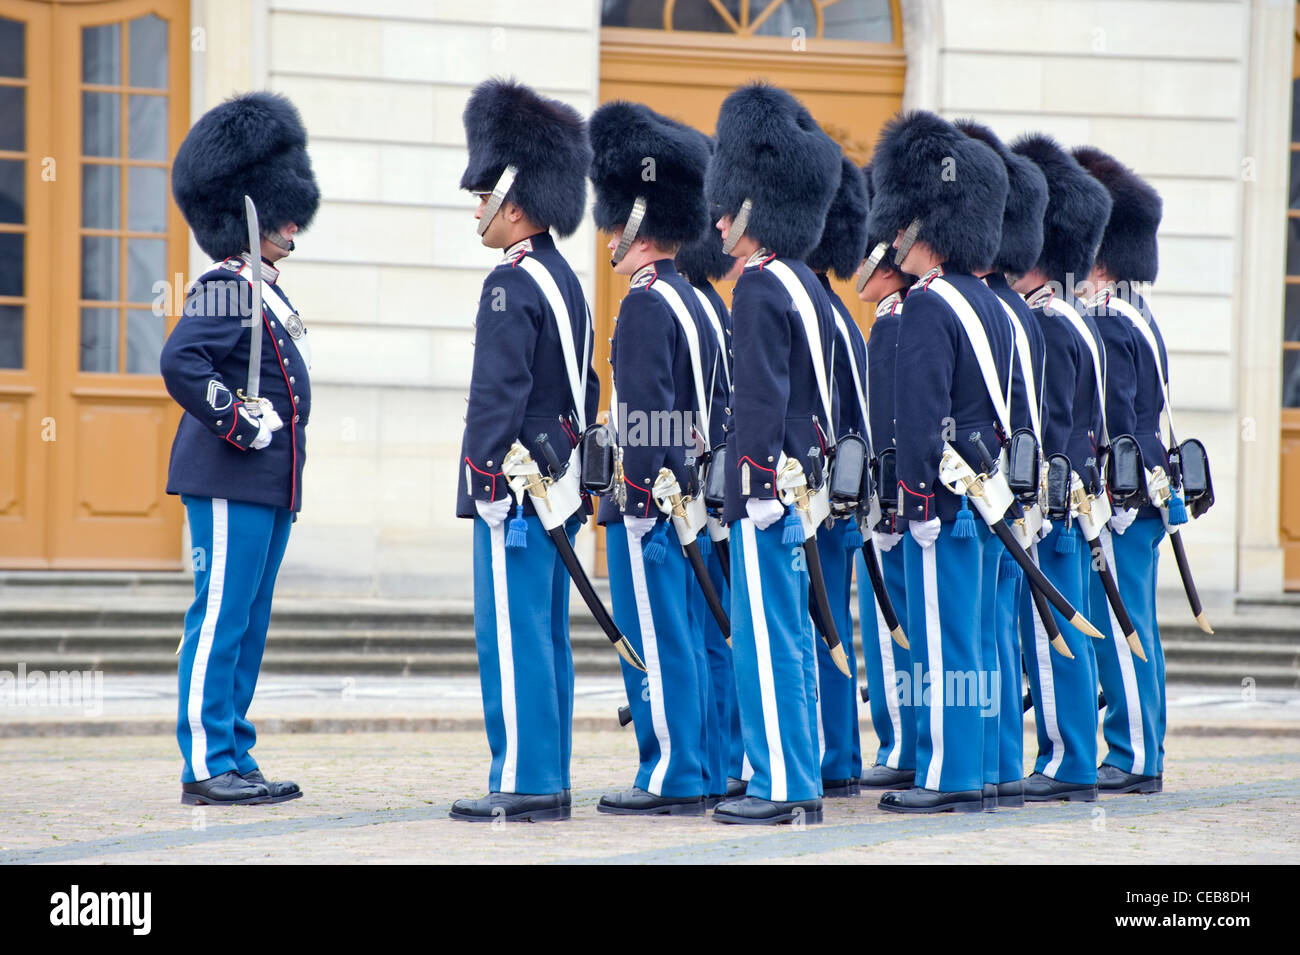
1128 246
508 123
637 152
1022 219
771 151
252 145
925 168
702 258
845 231
1077 209
873 239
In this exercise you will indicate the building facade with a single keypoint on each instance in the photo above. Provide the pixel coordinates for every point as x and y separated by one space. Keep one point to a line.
96 96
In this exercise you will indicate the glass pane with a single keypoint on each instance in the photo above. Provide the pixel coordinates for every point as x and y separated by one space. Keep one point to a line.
698 16
147 199
101 124
1292 328
101 54
149 52
11 336
101 196
784 20
12 190
866 20
641 14
1291 378
99 268
13 60
99 339
1295 180
148 127
144 342
146 261
13 118
11 263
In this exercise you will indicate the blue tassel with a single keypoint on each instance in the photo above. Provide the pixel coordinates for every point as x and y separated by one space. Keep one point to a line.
1008 569
517 533
964 528
793 532
1064 541
853 536
706 546
1177 510
655 551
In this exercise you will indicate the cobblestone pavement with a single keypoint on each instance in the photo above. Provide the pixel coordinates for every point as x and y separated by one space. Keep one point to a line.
383 797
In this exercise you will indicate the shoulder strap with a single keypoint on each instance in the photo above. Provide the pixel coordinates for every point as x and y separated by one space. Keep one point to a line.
808 315
979 341
1026 369
716 321
1067 311
692 333
1148 334
859 377
577 374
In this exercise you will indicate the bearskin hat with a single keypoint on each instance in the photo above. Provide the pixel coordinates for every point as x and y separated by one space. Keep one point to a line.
1022 219
845 231
1128 246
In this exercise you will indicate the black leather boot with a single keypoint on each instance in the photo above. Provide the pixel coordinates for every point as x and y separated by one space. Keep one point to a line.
281 791
1011 795
930 800
638 802
882 777
839 788
1111 780
512 807
752 811
228 789
1041 788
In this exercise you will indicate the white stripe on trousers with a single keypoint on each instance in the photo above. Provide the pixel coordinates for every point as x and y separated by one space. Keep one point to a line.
1045 705
934 643
821 729
207 632
505 657
1132 699
654 671
886 642
763 657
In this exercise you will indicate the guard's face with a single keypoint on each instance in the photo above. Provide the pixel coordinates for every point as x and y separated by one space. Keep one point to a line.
745 246
273 252
630 262
880 284
491 237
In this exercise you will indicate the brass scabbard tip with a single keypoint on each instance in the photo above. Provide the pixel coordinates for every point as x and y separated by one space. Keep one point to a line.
1135 645
840 660
1203 623
1059 644
1084 625
728 643
900 638
626 651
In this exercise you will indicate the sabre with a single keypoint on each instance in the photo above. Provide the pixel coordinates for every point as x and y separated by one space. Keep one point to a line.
254 386
991 497
792 486
1159 491
872 559
687 516
1091 514
556 499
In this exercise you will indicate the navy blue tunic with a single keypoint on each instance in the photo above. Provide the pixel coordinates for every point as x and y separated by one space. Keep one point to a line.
848 411
204 363
776 405
721 388
939 390
519 386
1020 417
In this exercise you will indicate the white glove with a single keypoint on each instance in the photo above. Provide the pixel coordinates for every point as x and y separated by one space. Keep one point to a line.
1120 520
638 527
263 430
764 513
925 533
269 414
885 542
1045 529
494 512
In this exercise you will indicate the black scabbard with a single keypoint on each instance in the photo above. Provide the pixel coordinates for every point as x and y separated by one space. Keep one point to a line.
1189 585
1039 583
1112 589
592 599
819 606
723 549
883 603
711 597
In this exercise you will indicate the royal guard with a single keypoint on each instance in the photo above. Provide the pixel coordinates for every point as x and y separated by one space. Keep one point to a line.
243 180
648 173
702 262
531 394
839 252
884 656
1021 244
942 194
1137 373
772 180
1064 687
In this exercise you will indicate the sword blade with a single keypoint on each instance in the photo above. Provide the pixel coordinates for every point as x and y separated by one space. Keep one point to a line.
1189 585
1039 582
1116 602
254 387
592 600
887 612
821 607
706 585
